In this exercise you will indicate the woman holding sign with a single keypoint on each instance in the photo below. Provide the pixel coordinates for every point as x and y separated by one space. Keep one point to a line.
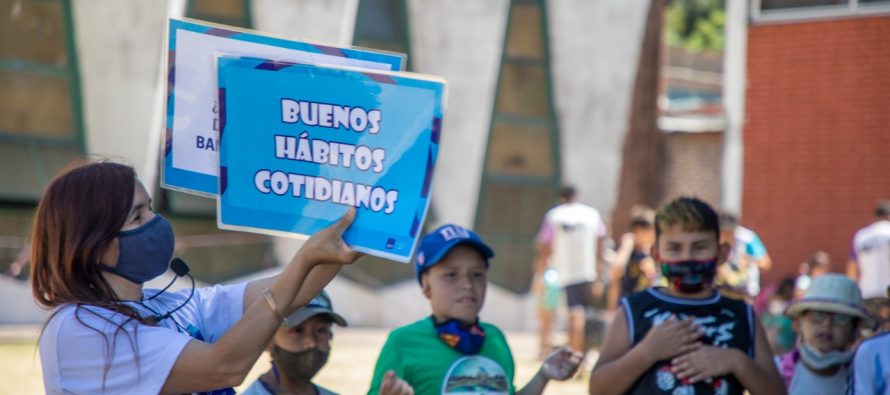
96 241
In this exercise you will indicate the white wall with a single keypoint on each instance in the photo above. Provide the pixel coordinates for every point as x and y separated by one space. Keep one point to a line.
321 21
595 48
19 306
460 40
119 47
735 81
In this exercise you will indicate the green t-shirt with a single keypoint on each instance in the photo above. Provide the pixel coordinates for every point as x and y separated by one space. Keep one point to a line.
419 357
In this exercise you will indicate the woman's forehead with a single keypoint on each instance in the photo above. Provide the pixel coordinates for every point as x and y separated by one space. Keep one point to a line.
140 194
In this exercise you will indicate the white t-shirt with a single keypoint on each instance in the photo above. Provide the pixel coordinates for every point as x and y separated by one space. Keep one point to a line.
77 360
871 250
572 229
805 382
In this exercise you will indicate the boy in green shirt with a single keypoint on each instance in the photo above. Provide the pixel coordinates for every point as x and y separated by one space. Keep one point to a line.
452 351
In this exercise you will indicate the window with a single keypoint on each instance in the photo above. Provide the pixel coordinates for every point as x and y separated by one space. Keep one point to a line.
383 24
521 171
41 130
789 10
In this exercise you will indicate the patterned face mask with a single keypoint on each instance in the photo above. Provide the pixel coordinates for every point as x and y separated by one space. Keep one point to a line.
467 339
690 276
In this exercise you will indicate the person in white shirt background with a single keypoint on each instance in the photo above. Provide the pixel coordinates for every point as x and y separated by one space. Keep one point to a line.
870 264
571 236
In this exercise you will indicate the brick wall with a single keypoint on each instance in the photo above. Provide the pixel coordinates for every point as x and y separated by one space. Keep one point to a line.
817 135
692 166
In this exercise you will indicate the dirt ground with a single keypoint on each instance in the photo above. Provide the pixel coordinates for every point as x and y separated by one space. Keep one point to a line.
348 371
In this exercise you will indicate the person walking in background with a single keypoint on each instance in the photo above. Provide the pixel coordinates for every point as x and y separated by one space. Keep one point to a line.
739 275
870 264
827 319
813 268
545 287
633 269
778 326
299 349
571 236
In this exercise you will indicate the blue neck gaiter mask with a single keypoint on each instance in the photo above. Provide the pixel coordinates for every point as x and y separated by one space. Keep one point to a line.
145 252
467 339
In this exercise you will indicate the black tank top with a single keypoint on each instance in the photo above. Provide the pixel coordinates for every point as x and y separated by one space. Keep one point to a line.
726 322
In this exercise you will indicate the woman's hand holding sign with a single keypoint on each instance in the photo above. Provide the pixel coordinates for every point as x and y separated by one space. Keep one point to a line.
327 246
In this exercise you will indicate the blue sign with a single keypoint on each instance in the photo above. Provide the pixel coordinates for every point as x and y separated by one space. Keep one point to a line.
301 143
191 145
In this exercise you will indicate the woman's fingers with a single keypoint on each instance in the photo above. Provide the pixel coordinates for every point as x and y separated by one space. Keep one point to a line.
345 221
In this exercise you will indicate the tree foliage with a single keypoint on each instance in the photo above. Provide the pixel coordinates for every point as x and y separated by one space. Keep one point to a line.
695 25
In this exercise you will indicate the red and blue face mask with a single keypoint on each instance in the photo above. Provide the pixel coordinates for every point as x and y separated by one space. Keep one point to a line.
466 339
690 276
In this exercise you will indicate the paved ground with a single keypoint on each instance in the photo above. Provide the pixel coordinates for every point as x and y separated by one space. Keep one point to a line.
348 371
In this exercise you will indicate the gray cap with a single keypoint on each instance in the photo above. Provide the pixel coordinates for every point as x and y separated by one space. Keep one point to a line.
320 304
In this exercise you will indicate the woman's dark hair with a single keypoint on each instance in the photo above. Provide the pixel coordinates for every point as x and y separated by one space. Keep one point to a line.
79 215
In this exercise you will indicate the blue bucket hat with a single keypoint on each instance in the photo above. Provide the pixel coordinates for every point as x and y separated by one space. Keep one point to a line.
434 246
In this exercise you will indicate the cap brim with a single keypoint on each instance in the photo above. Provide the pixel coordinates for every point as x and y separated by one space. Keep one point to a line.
300 316
796 308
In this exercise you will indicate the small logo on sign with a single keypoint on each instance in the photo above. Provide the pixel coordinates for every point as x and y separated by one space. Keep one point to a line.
390 243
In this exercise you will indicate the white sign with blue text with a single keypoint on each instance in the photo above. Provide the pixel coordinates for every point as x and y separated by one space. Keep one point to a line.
190 152
299 144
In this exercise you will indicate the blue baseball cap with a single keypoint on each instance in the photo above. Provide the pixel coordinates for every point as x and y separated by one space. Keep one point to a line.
434 246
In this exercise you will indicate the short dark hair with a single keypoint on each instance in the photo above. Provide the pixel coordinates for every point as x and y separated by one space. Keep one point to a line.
691 214
567 192
882 209
642 217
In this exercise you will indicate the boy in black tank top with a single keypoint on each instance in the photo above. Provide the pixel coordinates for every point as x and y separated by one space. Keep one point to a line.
685 339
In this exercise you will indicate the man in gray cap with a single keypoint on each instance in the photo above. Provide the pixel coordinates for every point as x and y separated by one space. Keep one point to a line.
299 349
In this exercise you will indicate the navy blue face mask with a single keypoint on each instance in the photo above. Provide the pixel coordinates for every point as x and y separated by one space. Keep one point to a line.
467 339
145 252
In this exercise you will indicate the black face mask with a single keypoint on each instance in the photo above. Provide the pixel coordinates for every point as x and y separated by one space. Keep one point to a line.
300 366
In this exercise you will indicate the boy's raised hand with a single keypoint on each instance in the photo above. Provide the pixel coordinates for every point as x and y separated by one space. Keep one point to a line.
394 385
561 364
671 338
